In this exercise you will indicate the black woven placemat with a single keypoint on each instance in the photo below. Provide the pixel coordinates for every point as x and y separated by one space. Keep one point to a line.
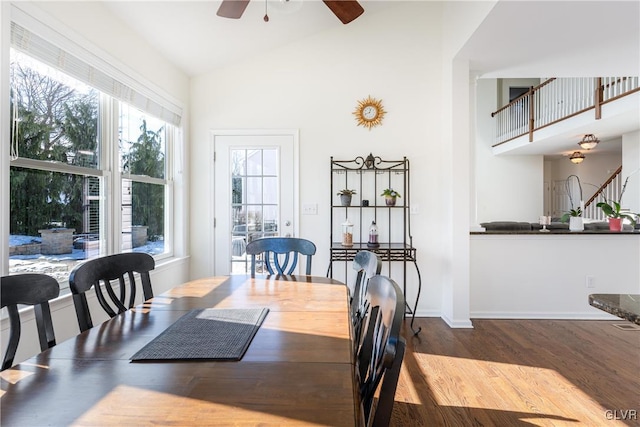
206 334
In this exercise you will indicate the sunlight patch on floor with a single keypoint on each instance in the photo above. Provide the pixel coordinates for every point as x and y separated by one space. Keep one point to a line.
487 385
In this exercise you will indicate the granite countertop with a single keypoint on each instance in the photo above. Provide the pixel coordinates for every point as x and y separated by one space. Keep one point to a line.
556 232
625 306
554 228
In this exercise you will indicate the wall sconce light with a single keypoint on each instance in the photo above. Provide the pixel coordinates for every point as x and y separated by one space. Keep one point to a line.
588 142
577 157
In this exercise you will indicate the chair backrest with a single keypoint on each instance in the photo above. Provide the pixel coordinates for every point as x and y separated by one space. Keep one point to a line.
280 254
367 264
103 271
28 289
381 349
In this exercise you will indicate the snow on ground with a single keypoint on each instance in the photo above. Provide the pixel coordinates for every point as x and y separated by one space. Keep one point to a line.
59 266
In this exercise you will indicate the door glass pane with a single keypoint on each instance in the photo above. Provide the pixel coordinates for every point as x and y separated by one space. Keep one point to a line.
270 161
270 190
254 162
254 202
254 190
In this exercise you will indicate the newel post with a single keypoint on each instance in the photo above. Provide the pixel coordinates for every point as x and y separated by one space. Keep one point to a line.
599 97
531 107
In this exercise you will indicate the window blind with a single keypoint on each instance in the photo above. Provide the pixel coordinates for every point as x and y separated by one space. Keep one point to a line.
32 44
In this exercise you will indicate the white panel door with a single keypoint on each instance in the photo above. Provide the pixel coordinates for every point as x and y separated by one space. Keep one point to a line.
255 193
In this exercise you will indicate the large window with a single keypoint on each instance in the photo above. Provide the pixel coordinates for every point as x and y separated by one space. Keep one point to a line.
64 138
142 147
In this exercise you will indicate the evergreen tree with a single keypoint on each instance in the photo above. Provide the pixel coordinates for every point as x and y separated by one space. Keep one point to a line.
146 157
50 117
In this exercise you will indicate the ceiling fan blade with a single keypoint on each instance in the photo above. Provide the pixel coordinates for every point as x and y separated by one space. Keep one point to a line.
345 10
232 8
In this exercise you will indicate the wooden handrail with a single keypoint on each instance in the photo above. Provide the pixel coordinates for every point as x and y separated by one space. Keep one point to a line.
515 125
603 186
529 92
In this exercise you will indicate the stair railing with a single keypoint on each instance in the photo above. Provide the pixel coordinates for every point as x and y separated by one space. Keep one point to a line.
610 190
558 99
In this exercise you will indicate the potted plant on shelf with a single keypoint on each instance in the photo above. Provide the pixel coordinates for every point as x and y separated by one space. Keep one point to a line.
390 196
574 216
345 196
612 210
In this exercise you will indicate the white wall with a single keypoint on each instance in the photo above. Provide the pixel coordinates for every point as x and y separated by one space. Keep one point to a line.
314 85
508 188
531 276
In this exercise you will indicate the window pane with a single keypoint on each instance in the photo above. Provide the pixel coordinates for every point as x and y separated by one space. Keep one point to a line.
142 143
143 208
54 221
56 115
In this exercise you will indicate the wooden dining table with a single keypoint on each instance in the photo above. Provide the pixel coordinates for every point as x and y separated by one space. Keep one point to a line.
297 370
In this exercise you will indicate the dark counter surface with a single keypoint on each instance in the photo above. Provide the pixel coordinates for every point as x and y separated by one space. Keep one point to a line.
625 306
557 232
556 227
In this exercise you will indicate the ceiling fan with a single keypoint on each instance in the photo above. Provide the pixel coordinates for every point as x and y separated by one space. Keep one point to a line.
345 10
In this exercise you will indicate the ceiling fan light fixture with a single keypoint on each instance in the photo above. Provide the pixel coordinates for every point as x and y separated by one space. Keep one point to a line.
577 157
588 142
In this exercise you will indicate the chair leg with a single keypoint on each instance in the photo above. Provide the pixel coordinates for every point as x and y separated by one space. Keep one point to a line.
382 416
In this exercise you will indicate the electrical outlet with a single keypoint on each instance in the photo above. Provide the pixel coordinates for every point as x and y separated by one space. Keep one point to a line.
590 282
414 209
310 209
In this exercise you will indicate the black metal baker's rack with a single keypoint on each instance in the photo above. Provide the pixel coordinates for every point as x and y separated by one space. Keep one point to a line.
369 176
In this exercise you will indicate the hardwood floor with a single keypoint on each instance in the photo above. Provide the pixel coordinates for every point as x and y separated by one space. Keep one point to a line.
520 373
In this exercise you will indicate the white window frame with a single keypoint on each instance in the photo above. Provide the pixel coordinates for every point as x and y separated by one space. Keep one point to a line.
166 108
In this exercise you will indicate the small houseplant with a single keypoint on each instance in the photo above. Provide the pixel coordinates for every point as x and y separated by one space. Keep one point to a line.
390 196
574 216
345 196
612 209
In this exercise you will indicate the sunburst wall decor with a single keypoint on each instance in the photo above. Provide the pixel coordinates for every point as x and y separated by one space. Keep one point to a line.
369 112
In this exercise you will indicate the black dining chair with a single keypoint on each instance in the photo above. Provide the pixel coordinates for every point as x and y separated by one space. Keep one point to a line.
99 273
28 289
367 264
381 350
280 254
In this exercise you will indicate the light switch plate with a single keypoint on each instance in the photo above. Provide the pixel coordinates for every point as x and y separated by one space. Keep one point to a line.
310 209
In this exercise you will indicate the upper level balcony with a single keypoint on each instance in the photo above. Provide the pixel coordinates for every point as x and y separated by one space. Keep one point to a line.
546 118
